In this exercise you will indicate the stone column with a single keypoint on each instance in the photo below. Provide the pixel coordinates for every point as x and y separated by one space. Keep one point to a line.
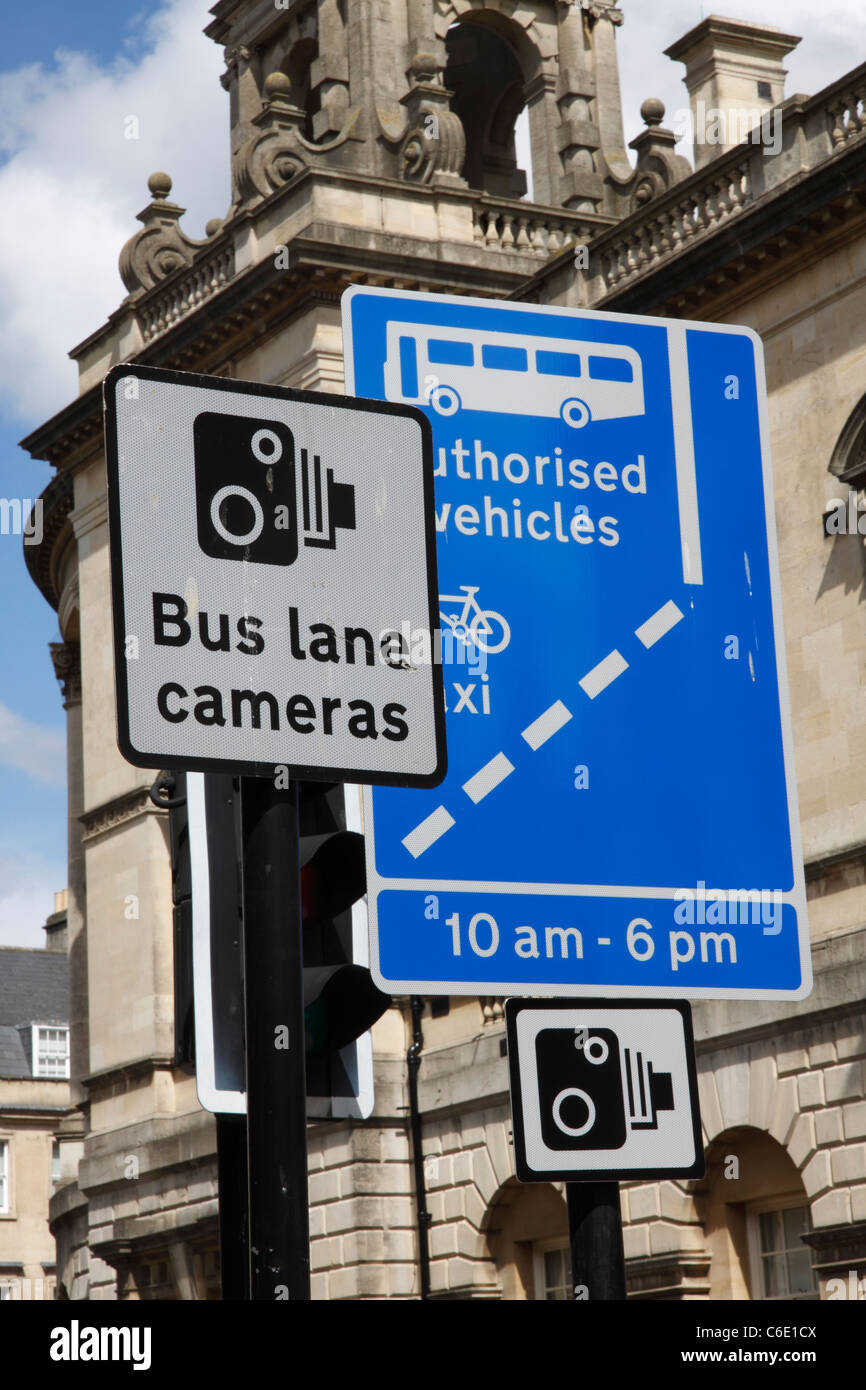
329 73
66 657
580 186
376 80
421 27
604 18
540 94
240 80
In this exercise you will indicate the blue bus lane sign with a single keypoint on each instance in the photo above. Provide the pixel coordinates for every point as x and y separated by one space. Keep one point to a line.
619 816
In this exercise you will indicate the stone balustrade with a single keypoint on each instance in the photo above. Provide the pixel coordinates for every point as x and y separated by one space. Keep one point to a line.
847 112
527 227
163 308
813 130
671 223
492 1010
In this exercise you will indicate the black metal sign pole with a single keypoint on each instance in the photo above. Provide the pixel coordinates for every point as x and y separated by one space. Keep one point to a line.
276 1086
234 1196
595 1233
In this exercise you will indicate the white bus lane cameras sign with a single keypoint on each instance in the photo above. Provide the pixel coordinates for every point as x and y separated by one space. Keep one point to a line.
269 549
620 812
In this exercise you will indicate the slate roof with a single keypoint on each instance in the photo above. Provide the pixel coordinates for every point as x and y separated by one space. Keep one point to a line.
14 1057
34 988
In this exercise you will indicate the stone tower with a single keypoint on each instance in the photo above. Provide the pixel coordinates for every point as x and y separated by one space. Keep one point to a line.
426 92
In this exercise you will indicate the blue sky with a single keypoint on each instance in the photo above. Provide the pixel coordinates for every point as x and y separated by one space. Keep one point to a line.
70 187
71 72
33 793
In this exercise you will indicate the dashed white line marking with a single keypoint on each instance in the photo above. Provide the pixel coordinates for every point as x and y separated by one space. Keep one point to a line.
488 777
600 677
660 623
546 725
428 832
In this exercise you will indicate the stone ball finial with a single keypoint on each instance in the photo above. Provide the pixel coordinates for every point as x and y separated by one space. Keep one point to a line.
277 85
159 185
213 226
652 111
425 67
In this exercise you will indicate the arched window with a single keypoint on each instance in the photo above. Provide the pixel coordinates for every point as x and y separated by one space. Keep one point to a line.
485 76
848 460
527 1235
755 1212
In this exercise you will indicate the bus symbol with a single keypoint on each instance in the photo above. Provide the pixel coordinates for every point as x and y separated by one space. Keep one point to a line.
450 368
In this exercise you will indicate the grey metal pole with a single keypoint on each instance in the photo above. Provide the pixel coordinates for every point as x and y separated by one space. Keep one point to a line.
413 1059
275 1074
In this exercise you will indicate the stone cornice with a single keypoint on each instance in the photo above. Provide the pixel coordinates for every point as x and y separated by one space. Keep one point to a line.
822 864
101 820
79 425
42 560
837 1247
838 992
741 35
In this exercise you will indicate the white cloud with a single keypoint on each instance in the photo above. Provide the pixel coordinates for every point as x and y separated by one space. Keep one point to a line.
72 183
33 748
27 888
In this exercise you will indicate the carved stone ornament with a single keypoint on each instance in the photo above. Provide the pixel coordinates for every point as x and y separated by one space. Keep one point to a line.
435 142
160 247
436 145
392 120
601 9
233 56
280 151
659 167
66 659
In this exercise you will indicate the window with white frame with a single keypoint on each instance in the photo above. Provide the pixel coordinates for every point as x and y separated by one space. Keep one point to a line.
5 1293
55 1164
552 1270
50 1051
4 1175
780 1261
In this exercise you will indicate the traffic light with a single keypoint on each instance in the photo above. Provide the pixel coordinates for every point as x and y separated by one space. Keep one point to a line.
340 1000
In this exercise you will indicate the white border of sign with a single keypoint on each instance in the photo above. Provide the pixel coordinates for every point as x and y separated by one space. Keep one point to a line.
796 898
533 1160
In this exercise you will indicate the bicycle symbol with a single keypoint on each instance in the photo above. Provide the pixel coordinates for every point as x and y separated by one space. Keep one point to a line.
483 628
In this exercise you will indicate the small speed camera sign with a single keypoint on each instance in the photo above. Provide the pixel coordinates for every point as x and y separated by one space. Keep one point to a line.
273 580
603 1090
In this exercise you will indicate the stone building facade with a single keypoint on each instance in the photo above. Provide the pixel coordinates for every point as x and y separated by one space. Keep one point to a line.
374 143
34 1097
